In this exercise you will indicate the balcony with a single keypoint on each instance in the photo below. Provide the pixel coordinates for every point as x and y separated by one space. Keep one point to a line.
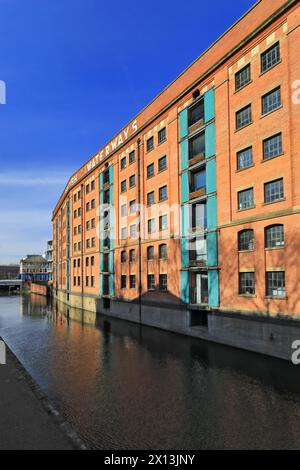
196 116
199 289
197 149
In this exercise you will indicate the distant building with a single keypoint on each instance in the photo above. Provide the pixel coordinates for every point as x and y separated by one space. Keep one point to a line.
49 258
34 268
11 271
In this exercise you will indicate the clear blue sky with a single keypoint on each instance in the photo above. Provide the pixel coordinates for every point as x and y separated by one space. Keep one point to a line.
76 71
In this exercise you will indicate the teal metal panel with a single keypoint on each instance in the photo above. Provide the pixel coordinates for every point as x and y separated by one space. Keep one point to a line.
185 220
111 174
111 261
183 123
211 176
184 287
101 262
209 105
185 256
212 215
111 285
101 283
213 288
185 190
212 249
184 152
210 140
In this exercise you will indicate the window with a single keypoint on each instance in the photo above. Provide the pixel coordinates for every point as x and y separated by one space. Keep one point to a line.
197 146
87 225
132 281
123 163
123 233
75 230
78 280
196 113
75 214
150 199
275 283
271 101
124 210
92 185
163 282
79 228
87 281
74 280
198 180
123 186
270 58
162 164
246 240
163 251
245 158
150 144
151 226
92 281
87 189
132 231
74 263
123 281
132 207
132 256
131 157
106 195
151 282
244 117
88 243
247 283
163 193
78 262
243 77
79 212
87 261
163 222
92 261
272 147
274 191
93 242
79 194
162 135
93 223
245 199
87 207
150 253
274 236
75 197
123 256
199 216
93 203
132 181
150 170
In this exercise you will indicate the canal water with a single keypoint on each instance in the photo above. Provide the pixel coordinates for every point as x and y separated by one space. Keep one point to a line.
122 386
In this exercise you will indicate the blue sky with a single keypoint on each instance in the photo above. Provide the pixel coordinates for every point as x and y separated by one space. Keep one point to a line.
76 71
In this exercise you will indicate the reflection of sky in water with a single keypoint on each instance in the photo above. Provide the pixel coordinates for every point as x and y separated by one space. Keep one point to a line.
122 386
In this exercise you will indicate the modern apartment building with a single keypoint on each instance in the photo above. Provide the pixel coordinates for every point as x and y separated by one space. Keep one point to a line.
188 219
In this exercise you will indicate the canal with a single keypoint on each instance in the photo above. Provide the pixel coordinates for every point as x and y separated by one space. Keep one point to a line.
122 386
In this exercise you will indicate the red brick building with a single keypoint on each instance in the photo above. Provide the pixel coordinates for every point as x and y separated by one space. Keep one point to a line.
187 219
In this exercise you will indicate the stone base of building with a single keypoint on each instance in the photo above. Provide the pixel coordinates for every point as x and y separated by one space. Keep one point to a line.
244 330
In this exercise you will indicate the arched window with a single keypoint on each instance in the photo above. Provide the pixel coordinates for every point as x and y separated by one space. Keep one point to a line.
163 251
246 240
150 252
274 236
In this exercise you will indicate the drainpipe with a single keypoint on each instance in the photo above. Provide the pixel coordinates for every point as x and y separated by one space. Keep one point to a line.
139 228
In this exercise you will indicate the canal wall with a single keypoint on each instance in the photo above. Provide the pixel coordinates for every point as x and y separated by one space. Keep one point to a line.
272 336
40 289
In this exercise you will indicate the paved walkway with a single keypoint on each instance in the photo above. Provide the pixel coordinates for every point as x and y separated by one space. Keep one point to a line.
25 422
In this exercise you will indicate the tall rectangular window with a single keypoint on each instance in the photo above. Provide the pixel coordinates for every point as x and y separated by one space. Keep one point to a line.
151 225
272 147
275 284
199 215
123 163
245 158
198 180
123 233
196 113
132 207
246 284
271 101
150 170
246 199
150 199
132 181
163 193
150 144
123 281
123 210
162 164
274 191
151 282
163 282
162 135
197 146
244 117
132 231
243 77
270 58
132 281
123 186
163 222
132 157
